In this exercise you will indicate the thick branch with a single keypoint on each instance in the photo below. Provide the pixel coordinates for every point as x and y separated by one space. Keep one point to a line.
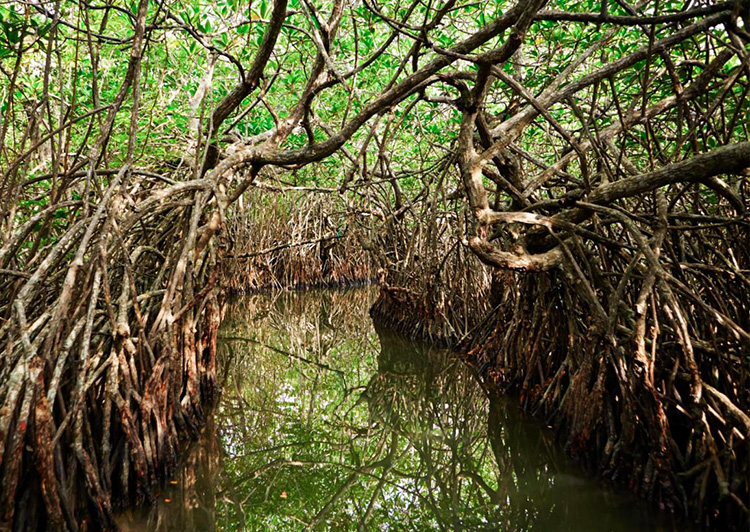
598 18
731 158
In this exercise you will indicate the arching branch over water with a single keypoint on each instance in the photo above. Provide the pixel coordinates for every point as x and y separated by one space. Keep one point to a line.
603 155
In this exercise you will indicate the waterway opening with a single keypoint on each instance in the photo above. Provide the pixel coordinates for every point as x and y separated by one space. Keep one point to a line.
327 422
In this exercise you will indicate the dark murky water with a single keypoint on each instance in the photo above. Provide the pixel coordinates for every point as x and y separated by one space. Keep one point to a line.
327 424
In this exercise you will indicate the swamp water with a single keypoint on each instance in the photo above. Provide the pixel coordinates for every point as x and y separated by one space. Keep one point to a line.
327 423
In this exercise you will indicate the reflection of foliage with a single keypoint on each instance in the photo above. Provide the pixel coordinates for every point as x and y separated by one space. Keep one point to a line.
287 406
322 430
433 402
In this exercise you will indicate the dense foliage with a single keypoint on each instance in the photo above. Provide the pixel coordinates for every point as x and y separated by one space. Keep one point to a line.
598 148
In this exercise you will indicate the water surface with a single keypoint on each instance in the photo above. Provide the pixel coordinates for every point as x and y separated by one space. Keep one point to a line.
327 423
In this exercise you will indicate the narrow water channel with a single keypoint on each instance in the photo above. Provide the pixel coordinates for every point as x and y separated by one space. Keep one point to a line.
327 423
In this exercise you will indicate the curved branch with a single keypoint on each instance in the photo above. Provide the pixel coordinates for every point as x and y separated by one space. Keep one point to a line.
492 256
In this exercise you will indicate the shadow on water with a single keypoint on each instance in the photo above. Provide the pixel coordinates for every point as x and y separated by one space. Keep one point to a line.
329 423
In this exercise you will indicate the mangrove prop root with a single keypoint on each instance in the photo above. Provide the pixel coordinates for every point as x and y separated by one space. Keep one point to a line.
110 361
285 239
633 421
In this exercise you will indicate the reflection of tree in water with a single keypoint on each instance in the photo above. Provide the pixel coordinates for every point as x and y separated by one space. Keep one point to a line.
435 407
291 360
318 428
